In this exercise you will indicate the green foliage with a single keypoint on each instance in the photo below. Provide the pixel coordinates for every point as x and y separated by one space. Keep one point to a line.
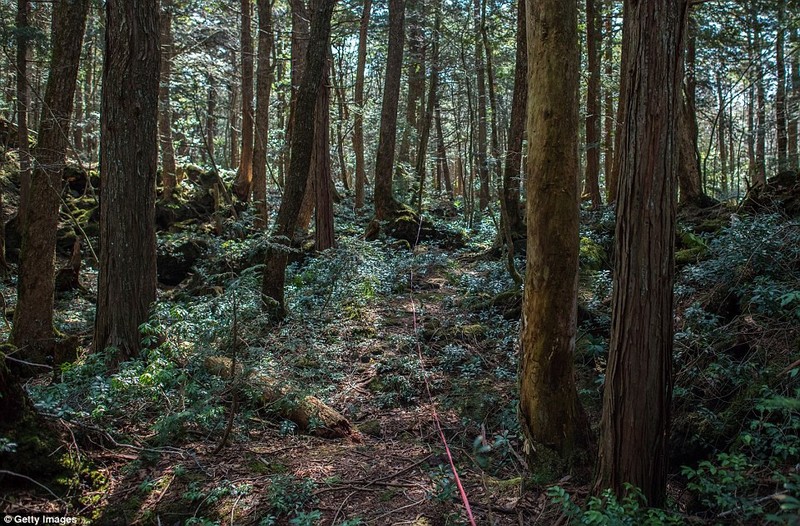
608 510
288 494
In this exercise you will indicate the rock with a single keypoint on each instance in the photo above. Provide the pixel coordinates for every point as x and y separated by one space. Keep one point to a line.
175 259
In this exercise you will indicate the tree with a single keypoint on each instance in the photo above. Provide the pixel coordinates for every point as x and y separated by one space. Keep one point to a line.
168 167
551 416
300 162
794 103
128 159
481 160
263 88
781 140
638 381
33 330
358 119
244 179
23 102
385 203
593 37
516 131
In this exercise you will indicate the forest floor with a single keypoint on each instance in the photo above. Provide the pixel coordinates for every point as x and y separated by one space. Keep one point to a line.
373 327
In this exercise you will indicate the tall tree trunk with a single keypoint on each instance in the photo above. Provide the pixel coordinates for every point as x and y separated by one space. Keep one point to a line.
481 160
244 179
781 140
321 167
168 167
385 203
722 145
593 38
263 88
551 417
495 133
608 97
638 381
512 175
690 181
416 88
211 118
794 103
760 176
358 119
427 120
441 152
23 104
344 116
233 119
129 156
301 152
33 318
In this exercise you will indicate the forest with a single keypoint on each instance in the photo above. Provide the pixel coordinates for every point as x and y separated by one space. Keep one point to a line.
402 262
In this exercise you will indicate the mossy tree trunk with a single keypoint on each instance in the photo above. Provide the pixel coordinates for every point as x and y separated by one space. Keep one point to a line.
274 278
638 380
129 156
33 330
554 424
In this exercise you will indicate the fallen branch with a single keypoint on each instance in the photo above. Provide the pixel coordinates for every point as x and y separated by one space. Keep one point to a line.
312 415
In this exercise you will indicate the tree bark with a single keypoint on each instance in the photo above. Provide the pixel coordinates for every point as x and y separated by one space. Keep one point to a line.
23 104
481 159
781 139
33 330
358 118
129 156
263 88
441 152
608 98
244 179
300 163
722 148
638 381
321 163
794 103
551 417
168 167
512 174
385 203
427 120
592 174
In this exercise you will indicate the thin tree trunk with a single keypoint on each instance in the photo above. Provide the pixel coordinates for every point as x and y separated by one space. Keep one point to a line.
781 140
33 330
300 164
481 159
168 167
761 109
433 86
129 144
244 179
794 103
321 166
23 104
512 174
211 118
608 102
358 119
263 88
344 116
592 174
385 203
722 146
441 152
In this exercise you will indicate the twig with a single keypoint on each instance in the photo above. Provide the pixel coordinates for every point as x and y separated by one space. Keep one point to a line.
48 490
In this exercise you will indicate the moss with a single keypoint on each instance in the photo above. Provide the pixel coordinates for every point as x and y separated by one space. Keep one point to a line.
592 255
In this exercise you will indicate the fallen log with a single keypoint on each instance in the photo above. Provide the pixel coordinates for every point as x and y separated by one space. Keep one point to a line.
312 415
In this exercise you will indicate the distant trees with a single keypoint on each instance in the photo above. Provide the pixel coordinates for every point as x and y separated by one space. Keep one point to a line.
638 380
551 416
128 162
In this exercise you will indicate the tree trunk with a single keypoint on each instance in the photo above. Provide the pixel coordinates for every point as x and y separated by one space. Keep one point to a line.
441 152
689 179
321 166
263 88
481 160
608 102
244 179
385 203
760 176
358 119
33 330
781 140
794 103
427 120
722 145
300 162
512 174
416 88
592 174
129 156
168 167
551 417
23 104
638 381
344 116
211 118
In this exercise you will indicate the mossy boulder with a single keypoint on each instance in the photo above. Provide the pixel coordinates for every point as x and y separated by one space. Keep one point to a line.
176 257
